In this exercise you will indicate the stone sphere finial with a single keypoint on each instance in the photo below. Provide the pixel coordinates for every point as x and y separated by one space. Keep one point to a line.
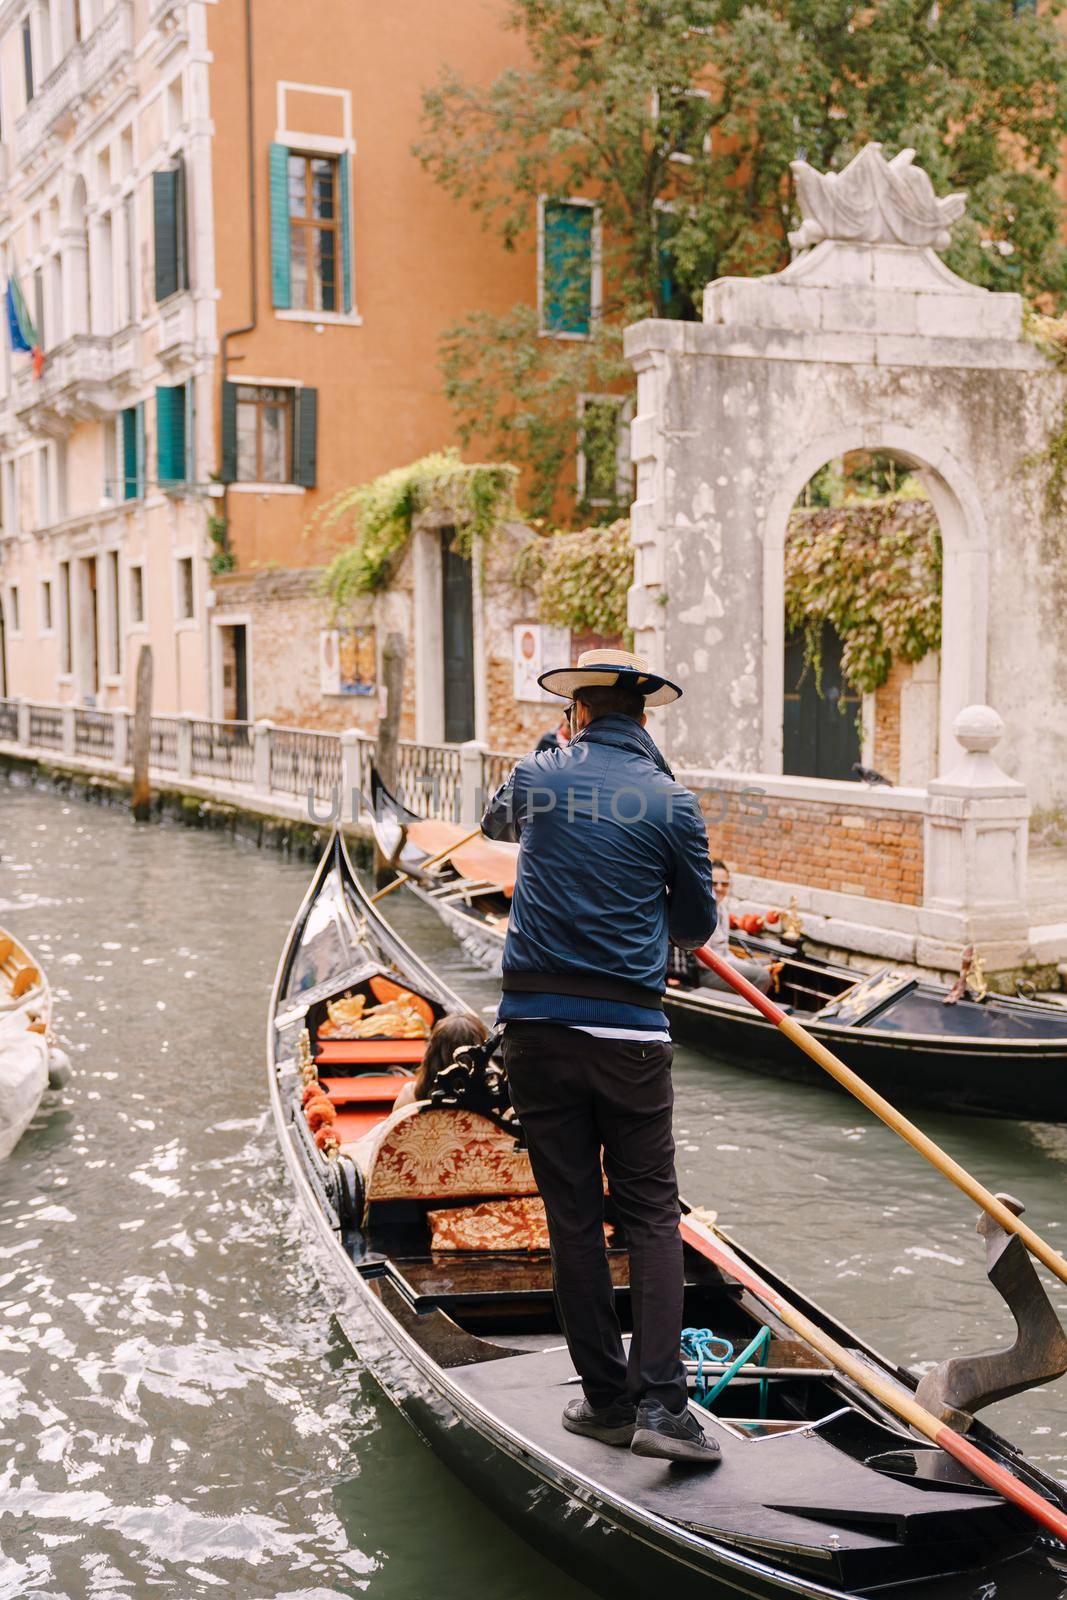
978 728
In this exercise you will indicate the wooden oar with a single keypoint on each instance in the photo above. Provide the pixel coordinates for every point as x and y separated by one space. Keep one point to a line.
431 861
888 1113
894 1397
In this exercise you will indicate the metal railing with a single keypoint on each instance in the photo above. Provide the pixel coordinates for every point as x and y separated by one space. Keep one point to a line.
223 750
302 762
94 734
429 778
46 727
434 780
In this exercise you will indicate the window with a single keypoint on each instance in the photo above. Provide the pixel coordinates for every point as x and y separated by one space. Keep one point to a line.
45 509
129 253
269 434
310 231
137 595
13 608
38 307
604 473
683 122
174 434
133 452
11 496
27 60
112 470
46 606
169 208
114 604
184 595
568 287
66 654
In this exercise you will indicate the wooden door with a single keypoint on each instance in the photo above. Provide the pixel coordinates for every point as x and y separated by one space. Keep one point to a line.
821 736
457 633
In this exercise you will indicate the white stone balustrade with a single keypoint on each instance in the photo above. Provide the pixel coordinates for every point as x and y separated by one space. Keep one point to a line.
85 376
976 834
81 73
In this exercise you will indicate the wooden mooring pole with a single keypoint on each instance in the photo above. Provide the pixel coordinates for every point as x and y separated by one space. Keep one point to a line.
142 736
394 652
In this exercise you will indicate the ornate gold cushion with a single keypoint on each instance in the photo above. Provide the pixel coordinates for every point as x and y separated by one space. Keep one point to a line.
517 1224
435 1154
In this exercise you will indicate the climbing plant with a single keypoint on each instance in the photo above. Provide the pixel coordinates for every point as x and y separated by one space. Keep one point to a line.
872 570
580 579
377 517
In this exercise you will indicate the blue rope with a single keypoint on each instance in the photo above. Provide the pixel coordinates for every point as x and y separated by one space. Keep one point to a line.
696 1346
696 1343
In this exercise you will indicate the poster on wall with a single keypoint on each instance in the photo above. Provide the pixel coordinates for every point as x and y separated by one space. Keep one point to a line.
348 661
536 648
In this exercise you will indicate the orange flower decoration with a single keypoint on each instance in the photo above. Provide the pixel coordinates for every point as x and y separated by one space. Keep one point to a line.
327 1141
320 1114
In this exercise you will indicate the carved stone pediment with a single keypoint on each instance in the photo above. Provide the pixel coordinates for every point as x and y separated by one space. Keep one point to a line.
874 201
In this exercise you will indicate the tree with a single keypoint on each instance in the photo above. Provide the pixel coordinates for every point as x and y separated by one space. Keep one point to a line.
680 118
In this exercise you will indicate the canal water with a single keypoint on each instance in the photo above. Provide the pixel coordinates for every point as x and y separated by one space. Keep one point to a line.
178 1415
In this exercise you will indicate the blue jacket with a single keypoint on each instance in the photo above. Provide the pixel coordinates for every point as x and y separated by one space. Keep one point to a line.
613 859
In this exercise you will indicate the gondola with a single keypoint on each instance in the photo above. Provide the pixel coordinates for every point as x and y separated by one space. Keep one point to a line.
1002 1055
424 1225
28 1060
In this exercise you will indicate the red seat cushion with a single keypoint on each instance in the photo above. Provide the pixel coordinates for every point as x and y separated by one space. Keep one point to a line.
370 1052
363 1091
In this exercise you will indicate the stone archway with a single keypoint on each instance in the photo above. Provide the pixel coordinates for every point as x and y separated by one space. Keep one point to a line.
865 341
965 580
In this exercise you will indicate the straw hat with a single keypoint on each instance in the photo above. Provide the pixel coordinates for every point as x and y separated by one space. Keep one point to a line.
607 669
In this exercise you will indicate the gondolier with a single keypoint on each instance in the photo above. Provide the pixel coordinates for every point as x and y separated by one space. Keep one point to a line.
613 859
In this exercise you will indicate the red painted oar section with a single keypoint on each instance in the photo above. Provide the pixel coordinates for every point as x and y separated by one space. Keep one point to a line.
888 1113
883 1388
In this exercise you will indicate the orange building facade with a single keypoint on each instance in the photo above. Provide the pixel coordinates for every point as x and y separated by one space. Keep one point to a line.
238 274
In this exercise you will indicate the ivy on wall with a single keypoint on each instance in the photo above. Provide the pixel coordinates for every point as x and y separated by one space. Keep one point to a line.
580 579
872 570
377 517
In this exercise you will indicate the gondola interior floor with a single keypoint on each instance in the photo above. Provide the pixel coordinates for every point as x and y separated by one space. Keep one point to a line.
798 1488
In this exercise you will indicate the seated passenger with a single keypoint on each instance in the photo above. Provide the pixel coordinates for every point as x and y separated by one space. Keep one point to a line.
449 1034
757 972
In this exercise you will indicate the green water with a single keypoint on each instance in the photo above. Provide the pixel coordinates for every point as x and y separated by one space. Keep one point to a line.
178 1415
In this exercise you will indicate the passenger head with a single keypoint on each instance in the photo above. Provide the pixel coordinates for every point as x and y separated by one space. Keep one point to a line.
448 1035
606 700
720 879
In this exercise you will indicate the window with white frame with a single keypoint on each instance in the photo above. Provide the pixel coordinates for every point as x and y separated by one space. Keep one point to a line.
66 638
11 495
114 609
47 614
136 595
605 475
14 610
568 267
45 516
184 590
682 119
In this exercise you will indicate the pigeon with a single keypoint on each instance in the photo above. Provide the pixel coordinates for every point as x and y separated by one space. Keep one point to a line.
869 776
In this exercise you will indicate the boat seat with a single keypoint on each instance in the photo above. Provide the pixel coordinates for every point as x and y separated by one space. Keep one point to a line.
369 1052
370 1089
434 1153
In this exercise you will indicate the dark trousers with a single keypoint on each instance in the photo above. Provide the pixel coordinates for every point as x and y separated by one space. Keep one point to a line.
575 1094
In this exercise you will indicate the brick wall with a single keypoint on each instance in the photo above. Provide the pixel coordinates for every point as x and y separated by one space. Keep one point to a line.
886 758
866 851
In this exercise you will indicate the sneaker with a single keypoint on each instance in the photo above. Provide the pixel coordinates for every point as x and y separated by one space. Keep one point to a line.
612 1424
672 1436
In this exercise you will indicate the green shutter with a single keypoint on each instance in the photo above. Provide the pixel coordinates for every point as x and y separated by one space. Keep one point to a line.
281 293
170 435
305 437
129 453
165 208
567 267
345 177
228 469
139 438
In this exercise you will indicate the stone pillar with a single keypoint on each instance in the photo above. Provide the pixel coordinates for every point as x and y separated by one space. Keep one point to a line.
23 723
120 754
472 755
261 733
974 846
67 715
185 746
